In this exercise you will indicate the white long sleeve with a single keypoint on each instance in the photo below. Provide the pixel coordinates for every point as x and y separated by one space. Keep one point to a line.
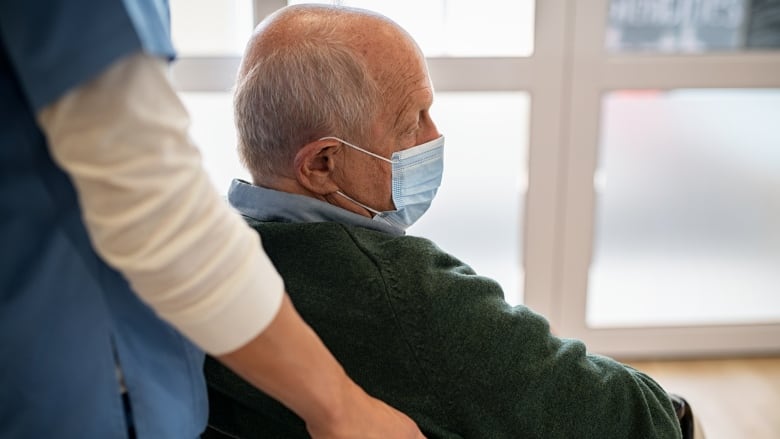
151 210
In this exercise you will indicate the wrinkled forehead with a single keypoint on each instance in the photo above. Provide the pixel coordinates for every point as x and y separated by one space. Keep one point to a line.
398 67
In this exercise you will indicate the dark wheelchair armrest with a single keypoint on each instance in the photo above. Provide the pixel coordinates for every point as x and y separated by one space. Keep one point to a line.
684 415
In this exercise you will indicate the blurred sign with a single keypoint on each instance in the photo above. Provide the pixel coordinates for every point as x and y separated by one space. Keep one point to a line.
676 25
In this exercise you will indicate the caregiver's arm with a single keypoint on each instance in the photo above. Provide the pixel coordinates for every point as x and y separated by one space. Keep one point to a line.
153 214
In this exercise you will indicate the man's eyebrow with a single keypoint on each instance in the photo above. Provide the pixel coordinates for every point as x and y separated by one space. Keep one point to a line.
402 118
406 116
405 124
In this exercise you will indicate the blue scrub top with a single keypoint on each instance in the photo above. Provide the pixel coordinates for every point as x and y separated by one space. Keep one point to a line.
66 318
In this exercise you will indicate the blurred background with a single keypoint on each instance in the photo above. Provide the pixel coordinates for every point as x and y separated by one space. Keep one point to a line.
614 164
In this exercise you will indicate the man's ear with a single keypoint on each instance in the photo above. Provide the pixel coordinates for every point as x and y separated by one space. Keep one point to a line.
315 164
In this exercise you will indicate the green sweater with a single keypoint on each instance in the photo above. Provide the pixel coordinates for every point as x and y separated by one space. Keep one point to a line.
418 329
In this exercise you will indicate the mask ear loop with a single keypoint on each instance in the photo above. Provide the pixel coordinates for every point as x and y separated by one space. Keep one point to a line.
375 212
358 148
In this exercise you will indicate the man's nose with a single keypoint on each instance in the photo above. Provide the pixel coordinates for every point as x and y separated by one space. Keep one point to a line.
428 130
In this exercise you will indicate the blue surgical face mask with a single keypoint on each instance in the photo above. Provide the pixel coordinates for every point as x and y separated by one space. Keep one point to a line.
416 174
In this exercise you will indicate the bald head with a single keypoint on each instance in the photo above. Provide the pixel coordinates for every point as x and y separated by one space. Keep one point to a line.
359 29
311 71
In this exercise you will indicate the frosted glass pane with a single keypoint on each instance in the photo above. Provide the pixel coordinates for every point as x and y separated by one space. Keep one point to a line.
459 27
688 209
477 214
693 25
211 27
214 133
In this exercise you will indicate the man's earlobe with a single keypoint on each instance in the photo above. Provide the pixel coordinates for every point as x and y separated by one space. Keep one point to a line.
314 166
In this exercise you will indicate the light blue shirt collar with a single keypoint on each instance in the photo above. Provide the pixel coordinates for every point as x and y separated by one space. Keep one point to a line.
265 204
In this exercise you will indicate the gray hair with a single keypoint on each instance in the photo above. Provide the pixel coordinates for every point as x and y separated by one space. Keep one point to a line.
297 93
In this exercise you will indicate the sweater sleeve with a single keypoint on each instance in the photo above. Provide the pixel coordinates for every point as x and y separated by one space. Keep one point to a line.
502 374
151 210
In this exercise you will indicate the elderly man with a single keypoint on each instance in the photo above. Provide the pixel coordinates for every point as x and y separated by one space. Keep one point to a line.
332 108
